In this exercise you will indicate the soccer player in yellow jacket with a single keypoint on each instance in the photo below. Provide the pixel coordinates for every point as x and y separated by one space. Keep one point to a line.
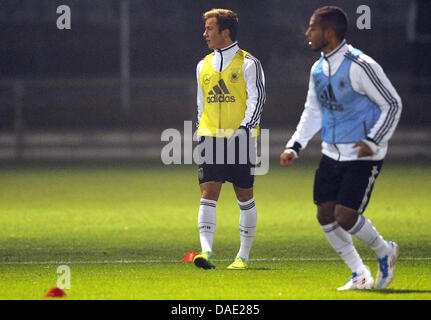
230 99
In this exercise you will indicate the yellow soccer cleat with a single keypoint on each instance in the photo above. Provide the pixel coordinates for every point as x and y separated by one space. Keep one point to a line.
239 264
203 260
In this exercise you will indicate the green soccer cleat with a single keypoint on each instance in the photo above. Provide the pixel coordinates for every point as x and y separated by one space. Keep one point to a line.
203 260
239 264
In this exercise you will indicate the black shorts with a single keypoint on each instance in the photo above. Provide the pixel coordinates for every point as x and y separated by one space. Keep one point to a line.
221 168
348 183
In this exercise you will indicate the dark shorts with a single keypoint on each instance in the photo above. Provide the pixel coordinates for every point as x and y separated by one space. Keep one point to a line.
349 183
239 170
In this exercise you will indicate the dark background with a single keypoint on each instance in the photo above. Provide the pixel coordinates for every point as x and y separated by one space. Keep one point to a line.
56 80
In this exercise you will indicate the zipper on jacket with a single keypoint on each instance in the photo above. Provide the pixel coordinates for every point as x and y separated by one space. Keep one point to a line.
219 103
332 111
221 60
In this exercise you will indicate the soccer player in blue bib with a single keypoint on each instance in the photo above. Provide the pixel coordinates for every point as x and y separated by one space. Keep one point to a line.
357 109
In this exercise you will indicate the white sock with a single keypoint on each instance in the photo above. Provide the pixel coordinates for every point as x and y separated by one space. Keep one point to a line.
342 243
207 223
247 227
364 231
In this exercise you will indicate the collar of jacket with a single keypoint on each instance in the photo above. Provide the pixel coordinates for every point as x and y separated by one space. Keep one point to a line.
340 50
229 50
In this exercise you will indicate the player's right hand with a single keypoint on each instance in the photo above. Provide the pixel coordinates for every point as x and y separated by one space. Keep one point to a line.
287 158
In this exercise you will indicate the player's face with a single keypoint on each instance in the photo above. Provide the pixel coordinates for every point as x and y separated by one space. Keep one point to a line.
316 35
214 38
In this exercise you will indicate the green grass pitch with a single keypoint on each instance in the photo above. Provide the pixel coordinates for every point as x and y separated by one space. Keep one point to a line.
123 230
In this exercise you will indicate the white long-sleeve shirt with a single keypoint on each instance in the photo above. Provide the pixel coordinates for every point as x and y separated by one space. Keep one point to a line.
367 78
254 81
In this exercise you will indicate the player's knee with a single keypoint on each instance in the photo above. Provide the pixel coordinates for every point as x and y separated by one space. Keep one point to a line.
325 213
243 197
210 195
324 218
345 217
210 190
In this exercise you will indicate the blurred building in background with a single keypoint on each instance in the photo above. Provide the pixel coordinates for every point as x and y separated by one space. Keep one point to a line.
125 70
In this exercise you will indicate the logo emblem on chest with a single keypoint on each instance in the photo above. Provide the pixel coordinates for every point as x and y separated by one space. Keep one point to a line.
220 93
328 99
234 75
206 78
342 82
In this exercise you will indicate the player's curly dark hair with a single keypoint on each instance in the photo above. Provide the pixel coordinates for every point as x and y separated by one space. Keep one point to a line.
333 17
226 19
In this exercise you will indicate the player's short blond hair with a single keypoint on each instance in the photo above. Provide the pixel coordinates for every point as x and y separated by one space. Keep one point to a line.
226 19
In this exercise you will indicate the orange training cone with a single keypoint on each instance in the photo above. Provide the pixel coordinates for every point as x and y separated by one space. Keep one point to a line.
189 256
55 292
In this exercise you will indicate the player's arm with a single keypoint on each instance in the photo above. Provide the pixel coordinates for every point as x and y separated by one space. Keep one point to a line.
256 95
199 94
309 124
368 78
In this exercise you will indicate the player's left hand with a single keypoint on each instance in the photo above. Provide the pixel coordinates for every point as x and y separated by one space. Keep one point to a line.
241 133
364 149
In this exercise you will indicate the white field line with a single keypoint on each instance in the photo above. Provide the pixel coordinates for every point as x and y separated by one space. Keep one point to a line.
16 263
